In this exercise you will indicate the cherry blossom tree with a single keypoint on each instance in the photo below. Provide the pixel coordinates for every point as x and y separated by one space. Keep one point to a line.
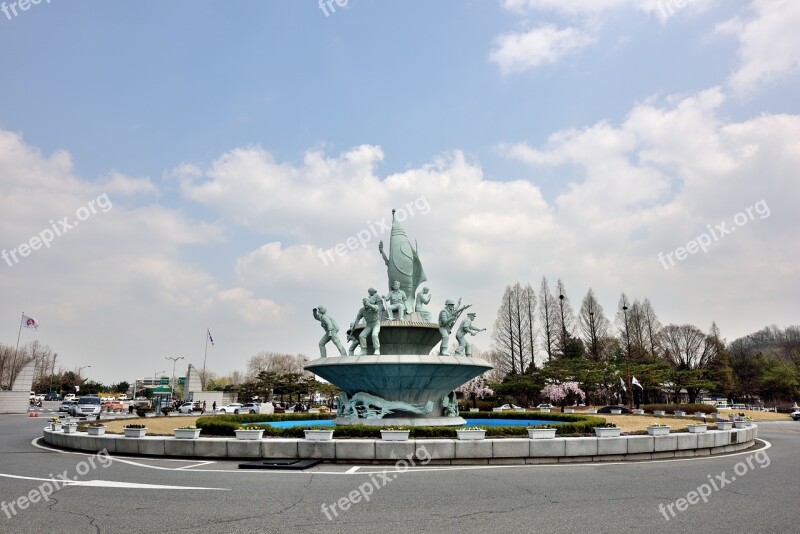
563 392
474 389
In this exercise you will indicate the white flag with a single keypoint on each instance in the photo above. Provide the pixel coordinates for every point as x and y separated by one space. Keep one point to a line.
636 382
622 383
29 322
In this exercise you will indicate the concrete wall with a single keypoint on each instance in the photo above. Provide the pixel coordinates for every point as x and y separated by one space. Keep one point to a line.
18 399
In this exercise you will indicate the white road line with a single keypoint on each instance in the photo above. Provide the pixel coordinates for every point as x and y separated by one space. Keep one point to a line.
195 465
108 484
352 470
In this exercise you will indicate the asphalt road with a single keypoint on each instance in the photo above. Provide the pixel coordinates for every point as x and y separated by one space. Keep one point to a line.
133 496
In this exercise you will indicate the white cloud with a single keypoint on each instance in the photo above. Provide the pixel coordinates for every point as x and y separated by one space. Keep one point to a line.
540 46
769 43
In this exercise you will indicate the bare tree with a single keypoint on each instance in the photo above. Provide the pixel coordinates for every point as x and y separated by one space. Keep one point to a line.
275 362
530 322
652 327
565 319
511 329
686 347
547 314
593 324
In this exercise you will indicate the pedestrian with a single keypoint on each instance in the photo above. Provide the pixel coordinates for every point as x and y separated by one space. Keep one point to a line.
204 406
214 406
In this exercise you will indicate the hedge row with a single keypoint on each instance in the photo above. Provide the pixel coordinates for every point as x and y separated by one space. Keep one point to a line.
226 425
688 408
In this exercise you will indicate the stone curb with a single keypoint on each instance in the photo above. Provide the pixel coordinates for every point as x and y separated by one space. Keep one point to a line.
506 451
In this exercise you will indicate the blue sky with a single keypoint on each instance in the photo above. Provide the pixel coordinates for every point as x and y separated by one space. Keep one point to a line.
236 136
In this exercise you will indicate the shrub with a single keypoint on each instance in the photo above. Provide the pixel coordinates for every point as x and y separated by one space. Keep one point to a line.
688 408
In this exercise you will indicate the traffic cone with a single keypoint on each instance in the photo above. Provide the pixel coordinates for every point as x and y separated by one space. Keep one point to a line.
30 414
36 414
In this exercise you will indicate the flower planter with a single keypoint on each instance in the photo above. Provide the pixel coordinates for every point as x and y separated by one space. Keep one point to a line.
659 412
697 429
724 425
657 430
70 429
700 415
96 430
134 432
471 434
616 412
569 410
740 424
638 411
250 434
497 409
520 410
395 435
606 432
680 413
541 433
474 410
544 410
318 435
187 433
593 410
55 427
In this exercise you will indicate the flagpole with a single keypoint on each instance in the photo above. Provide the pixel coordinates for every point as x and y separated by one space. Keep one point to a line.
14 363
205 354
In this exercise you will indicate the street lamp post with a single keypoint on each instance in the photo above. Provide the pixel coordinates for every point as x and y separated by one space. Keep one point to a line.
79 373
628 358
174 361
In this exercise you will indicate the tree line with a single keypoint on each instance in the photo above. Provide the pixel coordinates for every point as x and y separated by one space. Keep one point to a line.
540 339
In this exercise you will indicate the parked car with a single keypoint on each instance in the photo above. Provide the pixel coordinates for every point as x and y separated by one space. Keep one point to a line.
796 415
545 406
88 405
70 396
509 407
113 406
189 407
250 407
234 407
51 396
607 409
66 406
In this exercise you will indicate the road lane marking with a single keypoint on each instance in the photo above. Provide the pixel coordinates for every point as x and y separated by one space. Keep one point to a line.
352 470
110 484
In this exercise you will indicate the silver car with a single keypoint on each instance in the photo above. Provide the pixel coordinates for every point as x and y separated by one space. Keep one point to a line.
89 405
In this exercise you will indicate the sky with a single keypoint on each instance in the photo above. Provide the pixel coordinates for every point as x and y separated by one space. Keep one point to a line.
167 167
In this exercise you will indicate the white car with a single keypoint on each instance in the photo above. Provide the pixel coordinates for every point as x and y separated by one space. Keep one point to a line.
234 407
189 407
545 406
510 407
795 415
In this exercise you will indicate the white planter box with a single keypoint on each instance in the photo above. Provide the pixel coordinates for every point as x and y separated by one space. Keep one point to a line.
541 433
519 410
697 429
395 435
605 432
96 430
55 427
134 432
680 413
616 412
319 435
70 429
701 415
593 410
187 433
250 434
497 409
638 411
569 410
658 430
544 410
659 412
474 410
740 424
724 425
471 434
